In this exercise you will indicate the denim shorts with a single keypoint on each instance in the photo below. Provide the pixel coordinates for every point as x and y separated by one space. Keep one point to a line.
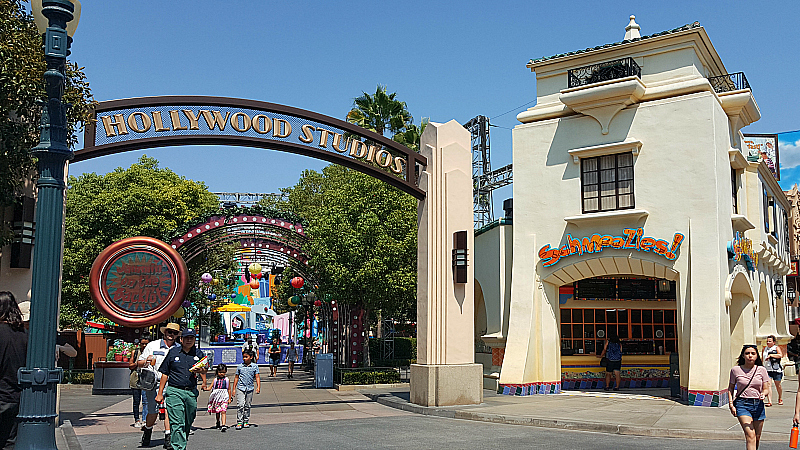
752 407
777 376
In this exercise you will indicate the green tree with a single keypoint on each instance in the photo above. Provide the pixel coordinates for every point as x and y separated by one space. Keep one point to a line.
142 200
363 239
220 261
380 113
410 136
21 89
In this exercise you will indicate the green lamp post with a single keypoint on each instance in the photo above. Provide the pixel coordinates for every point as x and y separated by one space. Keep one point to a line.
39 378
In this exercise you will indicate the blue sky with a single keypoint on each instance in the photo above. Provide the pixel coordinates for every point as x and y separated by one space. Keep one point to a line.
447 60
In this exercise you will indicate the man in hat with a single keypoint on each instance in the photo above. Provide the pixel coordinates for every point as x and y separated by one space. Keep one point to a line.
181 395
154 354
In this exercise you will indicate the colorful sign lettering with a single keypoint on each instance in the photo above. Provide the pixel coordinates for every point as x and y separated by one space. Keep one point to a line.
763 147
632 239
742 248
138 281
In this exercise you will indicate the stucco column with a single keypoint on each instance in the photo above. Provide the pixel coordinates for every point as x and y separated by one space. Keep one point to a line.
445 373
532 362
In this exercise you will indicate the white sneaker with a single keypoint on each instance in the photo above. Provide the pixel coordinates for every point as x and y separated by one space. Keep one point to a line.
138 424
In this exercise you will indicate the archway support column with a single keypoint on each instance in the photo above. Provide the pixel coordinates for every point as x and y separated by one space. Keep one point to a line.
445 373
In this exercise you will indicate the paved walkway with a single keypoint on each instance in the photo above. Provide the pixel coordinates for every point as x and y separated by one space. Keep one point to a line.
281 401
638 412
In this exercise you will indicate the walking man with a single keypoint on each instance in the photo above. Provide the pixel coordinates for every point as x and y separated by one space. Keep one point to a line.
154 354
181 394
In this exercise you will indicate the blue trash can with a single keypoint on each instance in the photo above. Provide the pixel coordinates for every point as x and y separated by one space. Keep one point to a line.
323 371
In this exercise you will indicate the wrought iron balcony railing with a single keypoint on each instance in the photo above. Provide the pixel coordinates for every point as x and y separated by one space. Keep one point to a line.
729 82
604 71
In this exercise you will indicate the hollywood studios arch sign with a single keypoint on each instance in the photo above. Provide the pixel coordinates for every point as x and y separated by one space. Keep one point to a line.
439 177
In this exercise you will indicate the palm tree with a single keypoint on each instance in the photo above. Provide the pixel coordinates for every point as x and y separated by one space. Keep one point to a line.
380 112
410 136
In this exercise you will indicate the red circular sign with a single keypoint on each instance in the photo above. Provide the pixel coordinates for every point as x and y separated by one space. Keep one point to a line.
138 281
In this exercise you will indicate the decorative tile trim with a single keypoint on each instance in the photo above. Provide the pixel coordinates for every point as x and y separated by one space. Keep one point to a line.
497 356
627 383
704 398
542 387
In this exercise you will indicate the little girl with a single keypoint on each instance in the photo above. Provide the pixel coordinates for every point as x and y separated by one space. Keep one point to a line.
218 400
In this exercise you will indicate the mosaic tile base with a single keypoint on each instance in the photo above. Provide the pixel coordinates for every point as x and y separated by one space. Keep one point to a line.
539 388
627 383
704 398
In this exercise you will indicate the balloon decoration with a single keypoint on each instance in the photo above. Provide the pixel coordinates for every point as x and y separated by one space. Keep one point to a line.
254 268
212 297
233 295
186 303
254 283
317 303
294 301
206 278
297 282
215 281
179 313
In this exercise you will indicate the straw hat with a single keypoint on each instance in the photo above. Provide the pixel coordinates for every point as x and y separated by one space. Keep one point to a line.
25 309
170 326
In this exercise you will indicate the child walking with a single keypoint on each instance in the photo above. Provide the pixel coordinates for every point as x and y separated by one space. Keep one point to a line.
220 395
243 382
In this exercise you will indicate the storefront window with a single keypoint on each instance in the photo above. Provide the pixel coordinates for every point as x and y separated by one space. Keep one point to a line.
642 331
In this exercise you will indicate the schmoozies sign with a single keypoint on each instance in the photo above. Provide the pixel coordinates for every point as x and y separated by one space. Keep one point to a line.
631 239
141 123
138 281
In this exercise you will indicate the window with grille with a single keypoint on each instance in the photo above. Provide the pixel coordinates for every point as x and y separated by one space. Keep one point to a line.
607 182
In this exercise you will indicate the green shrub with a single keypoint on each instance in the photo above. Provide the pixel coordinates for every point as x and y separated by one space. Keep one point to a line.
370 377
405 349
77 377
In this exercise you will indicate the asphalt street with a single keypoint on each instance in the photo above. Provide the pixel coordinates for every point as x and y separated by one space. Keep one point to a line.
411 432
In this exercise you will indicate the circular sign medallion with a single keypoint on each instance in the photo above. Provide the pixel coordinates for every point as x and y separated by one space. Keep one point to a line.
138 281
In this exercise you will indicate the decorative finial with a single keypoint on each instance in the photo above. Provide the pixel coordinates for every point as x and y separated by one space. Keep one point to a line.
632 30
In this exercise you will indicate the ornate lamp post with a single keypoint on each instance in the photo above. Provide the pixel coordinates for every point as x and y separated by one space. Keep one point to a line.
40 377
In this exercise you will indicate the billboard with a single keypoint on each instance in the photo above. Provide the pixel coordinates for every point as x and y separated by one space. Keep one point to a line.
763 147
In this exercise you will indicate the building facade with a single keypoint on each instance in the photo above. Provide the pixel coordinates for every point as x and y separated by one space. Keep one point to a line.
637 215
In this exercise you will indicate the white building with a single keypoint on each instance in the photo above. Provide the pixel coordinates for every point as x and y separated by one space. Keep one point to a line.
630 189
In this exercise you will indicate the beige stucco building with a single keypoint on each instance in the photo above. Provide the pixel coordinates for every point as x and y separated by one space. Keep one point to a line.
636 214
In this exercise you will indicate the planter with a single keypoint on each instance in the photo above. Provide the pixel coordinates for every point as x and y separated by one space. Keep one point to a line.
118 357
124 359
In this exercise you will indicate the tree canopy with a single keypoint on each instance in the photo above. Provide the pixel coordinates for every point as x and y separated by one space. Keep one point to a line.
363 239
22 67
383 113
142 200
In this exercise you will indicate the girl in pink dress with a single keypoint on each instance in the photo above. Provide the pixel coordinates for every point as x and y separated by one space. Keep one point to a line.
220 394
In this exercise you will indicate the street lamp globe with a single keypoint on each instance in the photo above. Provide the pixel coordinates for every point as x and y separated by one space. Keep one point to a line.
41 21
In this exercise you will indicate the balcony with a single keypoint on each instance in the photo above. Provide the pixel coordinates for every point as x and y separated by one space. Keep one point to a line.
604 71
729 82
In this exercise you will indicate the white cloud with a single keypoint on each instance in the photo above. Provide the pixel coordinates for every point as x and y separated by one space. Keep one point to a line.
789 154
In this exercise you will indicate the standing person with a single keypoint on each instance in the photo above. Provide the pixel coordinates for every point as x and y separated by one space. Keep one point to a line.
181 394
613 351
751 381
274 357
138 396
771 356
246 375
291 358
210 356
13 354
249 345
154 354
220 396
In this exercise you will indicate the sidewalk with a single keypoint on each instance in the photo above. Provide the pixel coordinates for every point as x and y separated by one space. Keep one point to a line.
639 412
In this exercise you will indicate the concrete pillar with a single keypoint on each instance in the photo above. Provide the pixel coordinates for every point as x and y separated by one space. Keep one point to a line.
445 373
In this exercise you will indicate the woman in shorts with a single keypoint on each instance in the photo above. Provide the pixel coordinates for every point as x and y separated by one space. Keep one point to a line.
750 380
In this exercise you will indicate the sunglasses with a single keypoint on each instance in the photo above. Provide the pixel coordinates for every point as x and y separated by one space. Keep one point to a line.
171 332
746 346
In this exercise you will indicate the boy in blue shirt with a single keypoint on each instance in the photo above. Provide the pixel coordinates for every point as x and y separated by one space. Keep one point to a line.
243 386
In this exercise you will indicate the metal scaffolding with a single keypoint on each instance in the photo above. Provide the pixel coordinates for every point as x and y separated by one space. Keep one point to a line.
484 179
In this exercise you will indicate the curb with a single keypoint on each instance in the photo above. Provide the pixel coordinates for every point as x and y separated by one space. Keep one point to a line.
358 387
573 425
69 436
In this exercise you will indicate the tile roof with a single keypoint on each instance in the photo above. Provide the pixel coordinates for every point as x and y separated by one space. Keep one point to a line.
688 26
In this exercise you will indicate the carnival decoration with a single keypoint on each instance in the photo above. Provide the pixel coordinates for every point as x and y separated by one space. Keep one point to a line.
138 281
212 297
317 303
297 282
179 313
254 283
294 301
206 278
233 296
254 268
215 281
632 240
186 303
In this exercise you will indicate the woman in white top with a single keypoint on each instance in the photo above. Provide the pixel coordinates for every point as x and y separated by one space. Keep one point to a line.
772 355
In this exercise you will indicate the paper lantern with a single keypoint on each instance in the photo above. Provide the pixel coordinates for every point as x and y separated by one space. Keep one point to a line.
186 303
206 277
317 303
254 283
215 281
254 268
233 295
297 282
294 301
179 313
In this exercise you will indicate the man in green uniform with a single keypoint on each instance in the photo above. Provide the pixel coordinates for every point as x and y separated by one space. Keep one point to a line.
181 394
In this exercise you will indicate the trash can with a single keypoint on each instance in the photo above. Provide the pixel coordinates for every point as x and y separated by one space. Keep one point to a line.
323 370
674 375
